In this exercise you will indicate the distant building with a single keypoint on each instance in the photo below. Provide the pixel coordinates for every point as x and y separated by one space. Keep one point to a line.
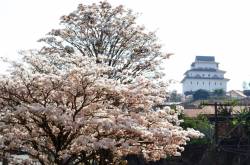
236 94
204 74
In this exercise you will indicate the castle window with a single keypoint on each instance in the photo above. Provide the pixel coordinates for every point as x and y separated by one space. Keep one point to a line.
190 82
197 83
209 83
220 84
203 83
214 83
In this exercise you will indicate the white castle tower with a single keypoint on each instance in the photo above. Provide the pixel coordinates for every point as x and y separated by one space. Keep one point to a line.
204 74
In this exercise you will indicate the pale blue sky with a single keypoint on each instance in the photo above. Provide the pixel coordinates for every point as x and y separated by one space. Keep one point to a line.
187 28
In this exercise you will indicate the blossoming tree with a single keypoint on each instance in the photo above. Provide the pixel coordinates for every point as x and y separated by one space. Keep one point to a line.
90 95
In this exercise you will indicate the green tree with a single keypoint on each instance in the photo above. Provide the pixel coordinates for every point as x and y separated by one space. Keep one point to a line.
189 93
174 96
202 124
246 85
201 94
246 92
218 93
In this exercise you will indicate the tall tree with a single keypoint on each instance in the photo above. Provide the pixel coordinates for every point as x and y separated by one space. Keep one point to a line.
109 34
88 97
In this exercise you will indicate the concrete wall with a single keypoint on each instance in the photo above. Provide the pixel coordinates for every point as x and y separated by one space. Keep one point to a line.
206 84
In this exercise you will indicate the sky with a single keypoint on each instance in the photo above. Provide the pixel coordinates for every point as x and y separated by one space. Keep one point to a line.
187 28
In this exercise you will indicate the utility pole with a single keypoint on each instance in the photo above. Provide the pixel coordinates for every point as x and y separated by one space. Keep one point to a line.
224 108
215 120
216 136
216 123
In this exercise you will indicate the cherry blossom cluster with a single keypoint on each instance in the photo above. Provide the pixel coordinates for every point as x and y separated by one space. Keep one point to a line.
93 90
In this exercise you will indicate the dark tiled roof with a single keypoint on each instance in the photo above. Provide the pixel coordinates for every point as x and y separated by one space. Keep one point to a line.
204 58
205 70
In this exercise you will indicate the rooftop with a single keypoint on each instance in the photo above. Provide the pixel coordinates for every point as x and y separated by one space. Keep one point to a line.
205 70
205 58
204 78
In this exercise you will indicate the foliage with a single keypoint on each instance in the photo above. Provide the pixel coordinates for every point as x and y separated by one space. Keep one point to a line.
189 93
201 95
88 95
218 93
243 119
175 97
246 92
246 85
202 124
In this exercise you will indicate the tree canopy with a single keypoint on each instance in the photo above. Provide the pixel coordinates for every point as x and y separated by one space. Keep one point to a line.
218 93
246 92
109 34
201 94
92 89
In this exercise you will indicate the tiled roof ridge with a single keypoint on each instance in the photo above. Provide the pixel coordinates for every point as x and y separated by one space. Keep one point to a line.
204 58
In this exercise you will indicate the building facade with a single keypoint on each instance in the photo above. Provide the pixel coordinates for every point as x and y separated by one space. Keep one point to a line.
236 94
204 74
